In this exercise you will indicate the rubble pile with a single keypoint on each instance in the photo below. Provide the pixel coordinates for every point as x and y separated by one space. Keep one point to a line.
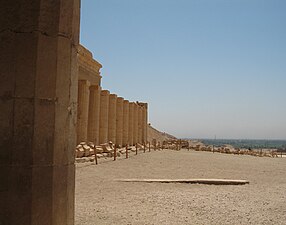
228 149
85 151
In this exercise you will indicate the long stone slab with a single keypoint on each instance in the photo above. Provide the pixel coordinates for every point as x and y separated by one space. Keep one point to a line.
190 181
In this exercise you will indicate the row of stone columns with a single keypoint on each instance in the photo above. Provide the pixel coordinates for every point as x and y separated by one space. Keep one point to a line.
104 117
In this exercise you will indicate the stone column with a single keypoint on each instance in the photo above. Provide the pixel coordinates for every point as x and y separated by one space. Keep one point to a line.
112 118
119 121
82 110
130 123
38 102
125 122
135 124
140 124
93 114
145 121
103 116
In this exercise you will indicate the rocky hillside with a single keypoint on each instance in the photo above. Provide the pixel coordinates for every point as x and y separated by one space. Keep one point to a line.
152 133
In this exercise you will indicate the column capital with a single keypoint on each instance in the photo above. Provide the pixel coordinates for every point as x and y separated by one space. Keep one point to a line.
105 92
120 99
84 82
113 96
94 87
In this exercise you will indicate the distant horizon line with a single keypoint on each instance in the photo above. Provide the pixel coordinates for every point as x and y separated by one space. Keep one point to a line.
258 139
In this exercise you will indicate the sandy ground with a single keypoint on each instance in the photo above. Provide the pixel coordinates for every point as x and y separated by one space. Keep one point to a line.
102 200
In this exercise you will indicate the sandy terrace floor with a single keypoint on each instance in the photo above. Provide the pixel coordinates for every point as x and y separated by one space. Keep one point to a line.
102 200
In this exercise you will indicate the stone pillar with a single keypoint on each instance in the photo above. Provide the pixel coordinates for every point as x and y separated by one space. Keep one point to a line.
93 114
112 118
82 110
38 102
125 122
135 124
103 116
119 121
145 121
130 123
140 124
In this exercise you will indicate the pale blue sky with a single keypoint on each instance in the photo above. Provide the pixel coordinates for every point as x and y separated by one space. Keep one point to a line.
206 67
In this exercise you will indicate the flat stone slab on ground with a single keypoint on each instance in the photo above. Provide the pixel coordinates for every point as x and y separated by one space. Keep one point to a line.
190 181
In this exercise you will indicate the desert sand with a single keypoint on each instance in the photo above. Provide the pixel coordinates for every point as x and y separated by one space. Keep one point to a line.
100 199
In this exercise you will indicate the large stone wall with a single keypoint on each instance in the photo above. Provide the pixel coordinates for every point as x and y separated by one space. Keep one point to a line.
104 117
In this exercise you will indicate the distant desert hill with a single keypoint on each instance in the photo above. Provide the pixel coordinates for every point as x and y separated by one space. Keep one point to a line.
152 133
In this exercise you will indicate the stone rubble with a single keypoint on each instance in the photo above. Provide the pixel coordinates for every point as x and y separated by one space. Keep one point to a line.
85 151
228 149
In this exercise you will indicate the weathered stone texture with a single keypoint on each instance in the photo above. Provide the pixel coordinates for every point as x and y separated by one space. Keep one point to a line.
135 123
103 118
119 121
145 122
140 124
125 122
93 114
89 69
38 95
82 110
130 123
112 118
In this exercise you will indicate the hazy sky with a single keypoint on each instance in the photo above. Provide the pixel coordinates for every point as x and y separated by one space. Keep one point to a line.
206 67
